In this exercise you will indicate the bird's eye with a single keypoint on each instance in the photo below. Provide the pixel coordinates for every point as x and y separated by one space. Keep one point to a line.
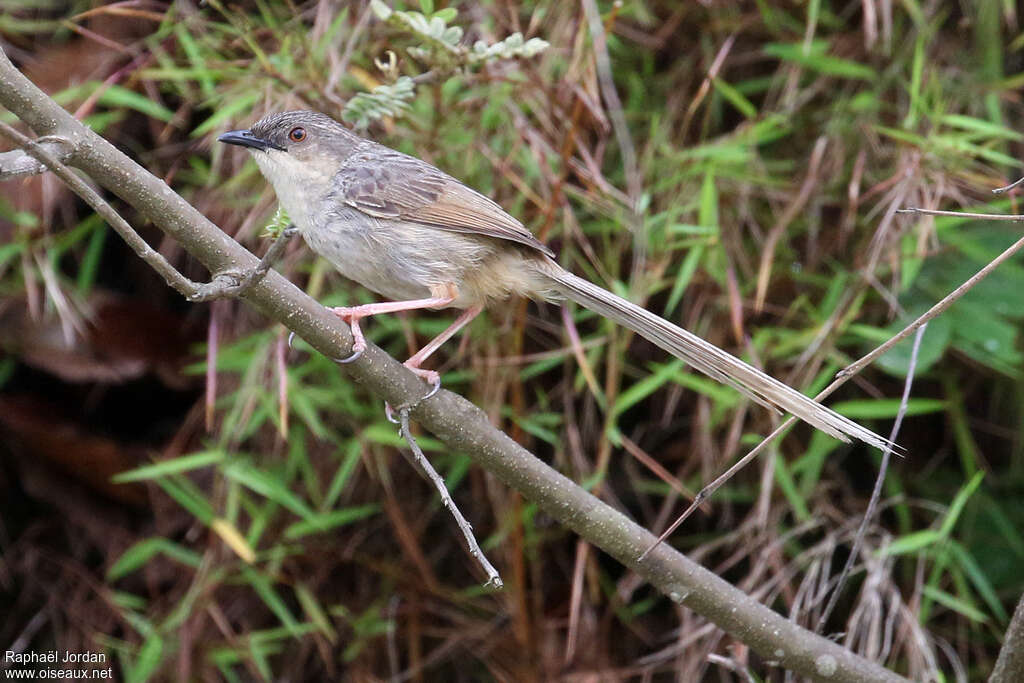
297 134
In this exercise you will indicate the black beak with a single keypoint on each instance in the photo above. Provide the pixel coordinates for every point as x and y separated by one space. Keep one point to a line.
246 138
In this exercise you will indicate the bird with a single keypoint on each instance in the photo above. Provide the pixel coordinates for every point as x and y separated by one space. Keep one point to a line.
420 238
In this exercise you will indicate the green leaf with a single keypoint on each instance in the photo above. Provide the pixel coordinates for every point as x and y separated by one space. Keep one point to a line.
977 125
957 506
243 102
268 486
119 96
327 521
341 477
146 549
261 584
683 277
150 655
638 391
735 98
316 613
977 576
911 543
384 434
784 478
380 9
188 496
89 267
954 603
815 60
172 466
447 15
300 404
385 100
887 407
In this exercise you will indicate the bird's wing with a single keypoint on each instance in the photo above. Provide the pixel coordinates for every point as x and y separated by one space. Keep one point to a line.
388 184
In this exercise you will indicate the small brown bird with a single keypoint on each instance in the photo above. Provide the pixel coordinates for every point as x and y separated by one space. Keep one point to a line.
414 234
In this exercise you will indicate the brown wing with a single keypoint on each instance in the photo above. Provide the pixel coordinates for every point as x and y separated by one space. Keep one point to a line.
387 184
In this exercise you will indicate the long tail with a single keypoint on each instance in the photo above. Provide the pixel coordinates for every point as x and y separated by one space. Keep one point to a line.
706 357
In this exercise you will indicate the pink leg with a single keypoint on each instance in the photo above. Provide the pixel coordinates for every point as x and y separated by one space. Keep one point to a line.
436 343
430 375
353 314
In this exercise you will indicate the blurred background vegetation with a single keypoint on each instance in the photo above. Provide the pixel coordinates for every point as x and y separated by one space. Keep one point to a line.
743 183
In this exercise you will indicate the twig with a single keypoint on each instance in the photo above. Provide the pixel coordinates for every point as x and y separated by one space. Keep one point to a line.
1012 217
18 164
876 494
1007 188
232 283
421 463
152 257
950 298
225 284
845 374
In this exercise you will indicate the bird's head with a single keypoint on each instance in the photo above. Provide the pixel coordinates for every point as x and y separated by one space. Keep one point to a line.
296 147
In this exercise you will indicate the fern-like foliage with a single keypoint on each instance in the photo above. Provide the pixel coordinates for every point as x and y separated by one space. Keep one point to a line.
385 100
440 47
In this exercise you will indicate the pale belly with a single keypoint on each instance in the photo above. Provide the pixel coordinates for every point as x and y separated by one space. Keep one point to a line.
402 261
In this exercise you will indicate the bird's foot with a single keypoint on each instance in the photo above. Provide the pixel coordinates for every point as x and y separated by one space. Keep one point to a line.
429 376
352 315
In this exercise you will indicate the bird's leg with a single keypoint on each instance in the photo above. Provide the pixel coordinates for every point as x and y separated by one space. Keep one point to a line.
434 344
353 314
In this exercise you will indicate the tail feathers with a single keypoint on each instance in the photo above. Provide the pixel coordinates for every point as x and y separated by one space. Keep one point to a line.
708 358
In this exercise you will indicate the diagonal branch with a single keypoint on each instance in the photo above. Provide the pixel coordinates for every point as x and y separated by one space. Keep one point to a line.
20 163
457 422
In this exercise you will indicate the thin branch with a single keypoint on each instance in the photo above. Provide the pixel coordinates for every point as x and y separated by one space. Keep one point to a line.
230 284
20 164
458 423
1007 188
848 372
427 470
950 298
225 284
1011 217
876 494
145 252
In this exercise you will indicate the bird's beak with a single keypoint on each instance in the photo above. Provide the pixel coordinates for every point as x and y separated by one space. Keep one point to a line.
246 138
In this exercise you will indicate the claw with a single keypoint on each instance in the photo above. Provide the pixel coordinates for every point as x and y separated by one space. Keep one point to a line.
435 382
355 356
434 390
356 352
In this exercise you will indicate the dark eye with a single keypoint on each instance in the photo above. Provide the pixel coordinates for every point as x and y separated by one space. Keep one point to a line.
297 134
